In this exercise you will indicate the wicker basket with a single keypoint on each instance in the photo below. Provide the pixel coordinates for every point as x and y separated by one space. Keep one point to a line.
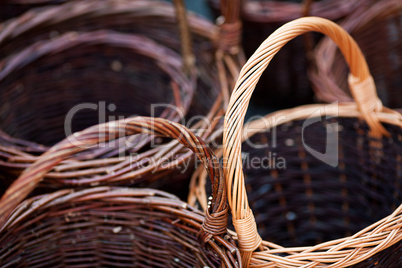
327 188
376 28
114 226
155 20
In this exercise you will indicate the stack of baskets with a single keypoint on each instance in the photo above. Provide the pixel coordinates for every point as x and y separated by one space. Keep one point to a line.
114 226
107 107
115 38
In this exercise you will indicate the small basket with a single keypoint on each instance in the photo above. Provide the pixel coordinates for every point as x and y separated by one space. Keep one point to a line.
216 64
327 188
114 226
376 28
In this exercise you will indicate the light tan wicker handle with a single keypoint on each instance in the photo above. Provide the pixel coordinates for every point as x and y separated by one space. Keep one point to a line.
361 84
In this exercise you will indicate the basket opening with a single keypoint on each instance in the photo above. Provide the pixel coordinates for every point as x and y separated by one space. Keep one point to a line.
298 200
106 83
285 83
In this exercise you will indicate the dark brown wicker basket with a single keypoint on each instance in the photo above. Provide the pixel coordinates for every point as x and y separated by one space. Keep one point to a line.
377 30
114 226
77 74
155 20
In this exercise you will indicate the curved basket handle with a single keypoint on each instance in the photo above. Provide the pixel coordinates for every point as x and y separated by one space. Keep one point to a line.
362 86
216 218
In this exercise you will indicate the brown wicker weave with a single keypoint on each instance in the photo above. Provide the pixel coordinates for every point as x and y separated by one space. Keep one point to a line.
377 30
335 198
152 19
114 226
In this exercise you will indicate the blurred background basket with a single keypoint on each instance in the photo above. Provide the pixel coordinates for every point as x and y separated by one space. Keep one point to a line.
114 226
58 87
285 85
315 185
215 69
377 29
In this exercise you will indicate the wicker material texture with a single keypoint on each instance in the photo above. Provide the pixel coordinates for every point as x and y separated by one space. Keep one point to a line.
376 28
114 226
337 196
155 20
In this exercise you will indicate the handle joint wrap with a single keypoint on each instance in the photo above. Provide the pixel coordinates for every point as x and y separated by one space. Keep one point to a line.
365 95
246 228
215 224
229 36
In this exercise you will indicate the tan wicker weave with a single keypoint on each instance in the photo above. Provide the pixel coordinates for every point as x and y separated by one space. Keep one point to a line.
114 226
343 252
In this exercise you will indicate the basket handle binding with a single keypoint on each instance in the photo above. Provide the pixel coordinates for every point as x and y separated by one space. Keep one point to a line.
216 217
362 87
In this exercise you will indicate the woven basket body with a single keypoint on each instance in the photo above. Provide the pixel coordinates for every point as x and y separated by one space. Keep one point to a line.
323 182
155 20
376 28
114 226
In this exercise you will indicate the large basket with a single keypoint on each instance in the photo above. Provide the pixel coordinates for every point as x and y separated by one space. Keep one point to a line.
376 28
114 226
323 181
155 20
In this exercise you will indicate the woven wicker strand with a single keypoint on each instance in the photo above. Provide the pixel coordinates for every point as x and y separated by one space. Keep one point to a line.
144 226
341 252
